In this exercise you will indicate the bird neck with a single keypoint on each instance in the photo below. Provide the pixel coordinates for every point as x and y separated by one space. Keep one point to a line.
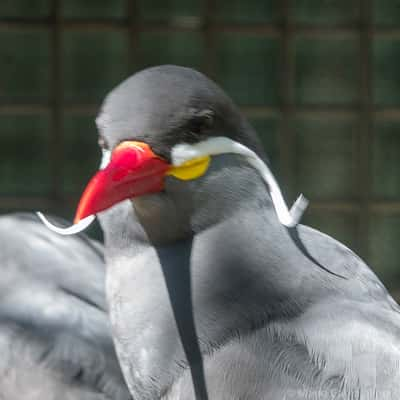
187 208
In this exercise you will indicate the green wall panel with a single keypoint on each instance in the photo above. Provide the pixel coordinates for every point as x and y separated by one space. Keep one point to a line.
171 48
168 9
326 153
93 63
24 155
312 12
93 8
386 160
386 77
25 8
25 66
267 11
386 12
248 68
326 71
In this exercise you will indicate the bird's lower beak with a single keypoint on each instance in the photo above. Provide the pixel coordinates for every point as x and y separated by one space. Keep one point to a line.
133 170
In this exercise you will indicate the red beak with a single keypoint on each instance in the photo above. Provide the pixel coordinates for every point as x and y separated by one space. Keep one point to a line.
134 170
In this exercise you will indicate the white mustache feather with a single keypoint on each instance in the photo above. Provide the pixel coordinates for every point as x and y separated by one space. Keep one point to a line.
213 146
70 230
222 145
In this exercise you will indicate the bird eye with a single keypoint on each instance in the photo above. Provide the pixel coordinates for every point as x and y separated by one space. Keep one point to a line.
201 122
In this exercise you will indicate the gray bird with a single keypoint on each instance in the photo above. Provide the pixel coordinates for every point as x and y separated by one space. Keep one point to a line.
55 341
214 290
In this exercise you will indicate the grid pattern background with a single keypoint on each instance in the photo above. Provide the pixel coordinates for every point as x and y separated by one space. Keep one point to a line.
319 80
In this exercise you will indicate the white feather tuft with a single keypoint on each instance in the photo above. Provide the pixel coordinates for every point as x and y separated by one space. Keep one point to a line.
105 159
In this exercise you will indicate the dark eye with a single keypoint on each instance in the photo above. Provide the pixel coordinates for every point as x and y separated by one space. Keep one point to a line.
103 143
201 122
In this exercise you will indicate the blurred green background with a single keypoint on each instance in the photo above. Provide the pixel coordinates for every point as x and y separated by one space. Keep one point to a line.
319 79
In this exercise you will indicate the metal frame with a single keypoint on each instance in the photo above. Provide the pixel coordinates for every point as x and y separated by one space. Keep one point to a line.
285 31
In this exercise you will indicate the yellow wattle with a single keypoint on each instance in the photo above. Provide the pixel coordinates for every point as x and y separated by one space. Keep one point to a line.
190 169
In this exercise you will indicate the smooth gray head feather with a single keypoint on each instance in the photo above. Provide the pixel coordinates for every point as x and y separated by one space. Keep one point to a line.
205 268
165 105
55 341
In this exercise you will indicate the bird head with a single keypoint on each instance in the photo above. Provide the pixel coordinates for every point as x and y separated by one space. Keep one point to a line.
168 135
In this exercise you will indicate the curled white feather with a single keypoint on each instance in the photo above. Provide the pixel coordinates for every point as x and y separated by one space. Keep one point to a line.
222 145
71 230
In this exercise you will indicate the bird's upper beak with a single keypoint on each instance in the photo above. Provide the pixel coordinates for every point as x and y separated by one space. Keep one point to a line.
134 170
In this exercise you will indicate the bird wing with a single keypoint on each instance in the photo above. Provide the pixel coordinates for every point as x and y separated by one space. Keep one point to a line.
55 341
352 333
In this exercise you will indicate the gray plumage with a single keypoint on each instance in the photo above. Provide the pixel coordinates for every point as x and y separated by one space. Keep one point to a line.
55 341
210 296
